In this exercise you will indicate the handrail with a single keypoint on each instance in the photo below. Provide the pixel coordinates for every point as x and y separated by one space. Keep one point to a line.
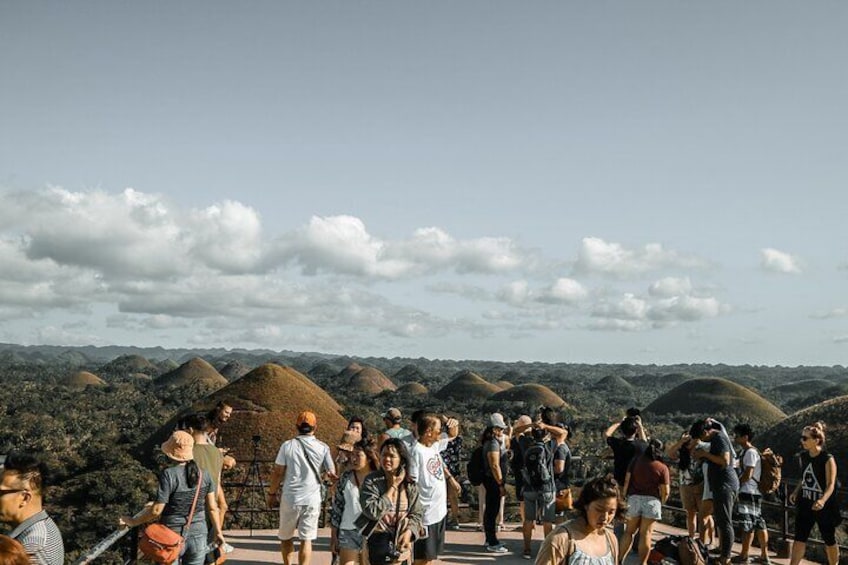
107 542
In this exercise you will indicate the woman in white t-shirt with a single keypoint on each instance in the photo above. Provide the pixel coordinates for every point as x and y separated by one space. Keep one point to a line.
345 538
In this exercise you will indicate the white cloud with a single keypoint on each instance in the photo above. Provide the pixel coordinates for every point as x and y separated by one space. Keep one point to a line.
776 261
628 307
835 313
564 290
685 309
610 258
670 286
840 339
515 293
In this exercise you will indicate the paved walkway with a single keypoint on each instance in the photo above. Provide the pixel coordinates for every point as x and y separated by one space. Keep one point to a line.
464 546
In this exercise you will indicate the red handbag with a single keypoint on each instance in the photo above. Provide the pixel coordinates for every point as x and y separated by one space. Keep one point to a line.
161 544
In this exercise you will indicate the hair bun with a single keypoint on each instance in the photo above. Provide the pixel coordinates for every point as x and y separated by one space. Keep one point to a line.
820 425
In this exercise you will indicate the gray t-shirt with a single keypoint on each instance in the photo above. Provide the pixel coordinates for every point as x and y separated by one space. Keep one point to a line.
494 446
178 496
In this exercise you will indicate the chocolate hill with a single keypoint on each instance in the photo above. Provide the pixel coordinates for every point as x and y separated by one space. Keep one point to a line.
467 385
234 370
529 394
369 380
195 371
613 382
783 437
266 402
503 385
128 364
82 379
717 397
412 389
409 374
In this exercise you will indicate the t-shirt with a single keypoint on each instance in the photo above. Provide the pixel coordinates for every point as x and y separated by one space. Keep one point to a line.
561 453
814 483
352 507
751 458
646 476
426 468
721 477
623 451
209 458
41 539
494 446
301 486
177 496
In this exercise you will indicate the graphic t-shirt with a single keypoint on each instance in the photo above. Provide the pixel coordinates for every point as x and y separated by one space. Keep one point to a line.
426 467
814 483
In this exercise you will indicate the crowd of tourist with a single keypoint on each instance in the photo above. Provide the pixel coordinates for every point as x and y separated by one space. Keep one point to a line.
394 493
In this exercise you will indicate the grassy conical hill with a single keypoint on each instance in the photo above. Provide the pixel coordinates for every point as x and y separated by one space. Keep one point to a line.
530 395
503 385
195 371
613 382
662 383
82 379
412 389
409 374
784 437
234 370
266 402
467 385
370 380
349 371
127 364
717 397
322 371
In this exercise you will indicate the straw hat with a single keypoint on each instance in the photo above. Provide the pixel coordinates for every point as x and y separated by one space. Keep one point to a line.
348 439
179 447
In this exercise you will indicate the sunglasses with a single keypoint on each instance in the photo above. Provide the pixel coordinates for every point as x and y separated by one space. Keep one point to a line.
5 491
805 438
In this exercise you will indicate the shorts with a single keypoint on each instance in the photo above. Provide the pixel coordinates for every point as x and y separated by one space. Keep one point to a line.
826 518
692 496
645 506
535 506
749 513
430 547
299 520
351 539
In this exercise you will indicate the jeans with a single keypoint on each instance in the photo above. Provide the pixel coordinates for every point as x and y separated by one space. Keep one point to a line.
196 545
723 500
493 507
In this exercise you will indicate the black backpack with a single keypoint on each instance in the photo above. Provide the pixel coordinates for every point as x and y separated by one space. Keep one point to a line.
476 468
537 471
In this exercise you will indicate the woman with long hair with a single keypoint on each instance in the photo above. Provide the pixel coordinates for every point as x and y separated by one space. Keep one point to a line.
814 497
587 539
391 511
647 485
178 486
691 481
494 479
345 539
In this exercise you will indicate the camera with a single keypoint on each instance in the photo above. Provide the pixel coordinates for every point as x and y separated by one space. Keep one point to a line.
256 439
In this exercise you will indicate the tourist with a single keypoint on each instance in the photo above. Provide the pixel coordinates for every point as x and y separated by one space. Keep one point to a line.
723 482
521 431
691 481
346 540
23 480
295 486
815 497
494 481
357 425
647 484
539 469
749 513
12 552
452 457
179 486
393 418
391 509
587 540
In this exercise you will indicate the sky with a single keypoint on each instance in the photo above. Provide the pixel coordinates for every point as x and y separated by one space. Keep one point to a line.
622 182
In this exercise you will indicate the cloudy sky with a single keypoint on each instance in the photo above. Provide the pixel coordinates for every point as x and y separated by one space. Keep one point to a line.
557 181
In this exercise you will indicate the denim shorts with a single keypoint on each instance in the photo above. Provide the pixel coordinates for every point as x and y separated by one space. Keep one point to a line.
642 505
351 539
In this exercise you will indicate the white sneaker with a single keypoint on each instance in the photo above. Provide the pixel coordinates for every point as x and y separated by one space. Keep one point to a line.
500 548
227 548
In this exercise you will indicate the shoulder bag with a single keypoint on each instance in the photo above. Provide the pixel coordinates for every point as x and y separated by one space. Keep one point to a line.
161 544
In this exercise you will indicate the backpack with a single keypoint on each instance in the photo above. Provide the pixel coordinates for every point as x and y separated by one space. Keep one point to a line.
770 474
665 549
476 468
537 469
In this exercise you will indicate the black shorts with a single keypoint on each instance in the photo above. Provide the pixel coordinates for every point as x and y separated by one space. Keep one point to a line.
430 547
827 520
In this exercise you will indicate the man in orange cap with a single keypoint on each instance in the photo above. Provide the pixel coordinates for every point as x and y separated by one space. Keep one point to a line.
299 467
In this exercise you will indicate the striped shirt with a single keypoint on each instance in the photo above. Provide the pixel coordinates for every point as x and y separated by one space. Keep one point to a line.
41 538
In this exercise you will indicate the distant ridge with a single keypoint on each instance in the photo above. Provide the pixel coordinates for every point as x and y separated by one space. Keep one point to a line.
717 397
467 385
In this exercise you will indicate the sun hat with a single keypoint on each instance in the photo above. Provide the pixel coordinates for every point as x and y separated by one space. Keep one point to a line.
497 421
348 439
179 447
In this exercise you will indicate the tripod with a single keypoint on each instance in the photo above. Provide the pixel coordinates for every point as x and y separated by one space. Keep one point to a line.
253 483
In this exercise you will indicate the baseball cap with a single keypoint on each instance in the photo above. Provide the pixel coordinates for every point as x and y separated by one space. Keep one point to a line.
497 421
307 418
392 414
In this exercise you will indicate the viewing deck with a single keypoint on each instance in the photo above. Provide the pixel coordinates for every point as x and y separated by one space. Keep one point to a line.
461 547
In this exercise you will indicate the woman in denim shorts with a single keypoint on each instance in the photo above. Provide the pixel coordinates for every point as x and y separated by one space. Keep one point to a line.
647 485
345 539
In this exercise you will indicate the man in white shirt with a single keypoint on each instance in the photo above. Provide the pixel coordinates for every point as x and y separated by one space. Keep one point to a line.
748 508
298 466
429 472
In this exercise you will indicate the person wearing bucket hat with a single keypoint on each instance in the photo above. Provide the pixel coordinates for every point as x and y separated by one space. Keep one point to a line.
494 479
172 506
296 487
